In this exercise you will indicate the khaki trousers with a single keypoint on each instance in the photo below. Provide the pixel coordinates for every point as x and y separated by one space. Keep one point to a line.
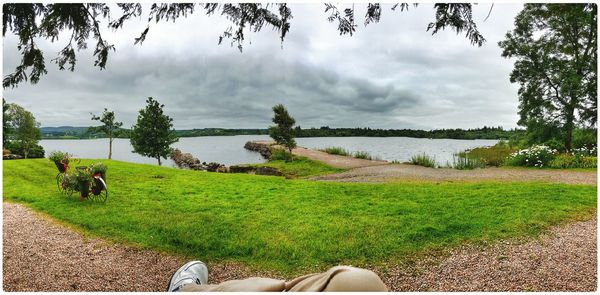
336 279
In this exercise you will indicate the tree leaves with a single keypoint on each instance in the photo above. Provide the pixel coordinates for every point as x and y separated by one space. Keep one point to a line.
556 66
84 21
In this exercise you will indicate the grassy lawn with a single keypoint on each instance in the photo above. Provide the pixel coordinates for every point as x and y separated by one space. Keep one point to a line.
301 167
295 226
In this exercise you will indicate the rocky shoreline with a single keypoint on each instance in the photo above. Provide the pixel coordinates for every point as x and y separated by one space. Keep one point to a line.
262 148
188 161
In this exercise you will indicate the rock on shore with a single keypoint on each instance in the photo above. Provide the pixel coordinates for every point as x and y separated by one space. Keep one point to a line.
261 148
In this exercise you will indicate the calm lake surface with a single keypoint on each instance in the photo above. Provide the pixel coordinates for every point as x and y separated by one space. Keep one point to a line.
229 150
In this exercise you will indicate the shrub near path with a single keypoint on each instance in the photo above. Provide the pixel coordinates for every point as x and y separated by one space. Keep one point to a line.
296 226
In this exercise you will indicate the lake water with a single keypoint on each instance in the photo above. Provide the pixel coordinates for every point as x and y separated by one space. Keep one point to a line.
229 150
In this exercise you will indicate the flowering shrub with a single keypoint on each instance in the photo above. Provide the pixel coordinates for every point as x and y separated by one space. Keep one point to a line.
585 151
535 156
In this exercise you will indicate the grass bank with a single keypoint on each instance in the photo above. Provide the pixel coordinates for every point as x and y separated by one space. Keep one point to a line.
300 167
295 226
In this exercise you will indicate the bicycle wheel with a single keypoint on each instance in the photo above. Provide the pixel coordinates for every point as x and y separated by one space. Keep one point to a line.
103 195
59 182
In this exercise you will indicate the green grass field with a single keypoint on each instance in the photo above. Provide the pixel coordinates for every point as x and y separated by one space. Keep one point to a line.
295 226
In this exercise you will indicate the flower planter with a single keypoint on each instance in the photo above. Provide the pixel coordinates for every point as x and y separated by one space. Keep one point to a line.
84 189
60 166
98 186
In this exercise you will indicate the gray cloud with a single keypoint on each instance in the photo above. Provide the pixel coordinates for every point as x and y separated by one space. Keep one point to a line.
389 75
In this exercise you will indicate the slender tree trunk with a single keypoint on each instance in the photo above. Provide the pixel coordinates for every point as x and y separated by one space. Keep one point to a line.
569 125
110 148
159 163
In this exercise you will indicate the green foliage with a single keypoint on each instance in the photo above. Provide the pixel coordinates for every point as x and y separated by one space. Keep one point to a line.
283 131
110 128
295 227
336 150
279 154
300 167
98 168
25 132
423 160
466 162
535 156
362 155
563 161
82 176
6 122
585 138
153 133
57 156
33 152
490 156
555 47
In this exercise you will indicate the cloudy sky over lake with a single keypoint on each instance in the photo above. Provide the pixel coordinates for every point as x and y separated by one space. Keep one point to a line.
392 74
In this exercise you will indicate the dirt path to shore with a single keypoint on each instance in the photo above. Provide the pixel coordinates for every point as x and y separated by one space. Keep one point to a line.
41 255
393 172
331 160
361 170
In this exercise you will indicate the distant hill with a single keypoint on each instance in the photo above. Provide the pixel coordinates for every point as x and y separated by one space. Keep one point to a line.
63 132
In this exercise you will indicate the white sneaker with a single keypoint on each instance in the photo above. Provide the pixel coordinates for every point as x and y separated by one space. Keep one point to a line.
193 272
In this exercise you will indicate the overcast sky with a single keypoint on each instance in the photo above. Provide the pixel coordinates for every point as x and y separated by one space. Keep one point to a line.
388 75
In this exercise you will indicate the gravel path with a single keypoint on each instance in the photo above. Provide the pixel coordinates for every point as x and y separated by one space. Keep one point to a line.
393 172
381 171
41 255
565 260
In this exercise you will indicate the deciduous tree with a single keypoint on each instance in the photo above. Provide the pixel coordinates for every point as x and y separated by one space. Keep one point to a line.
153 133
556 52
111 127
26 130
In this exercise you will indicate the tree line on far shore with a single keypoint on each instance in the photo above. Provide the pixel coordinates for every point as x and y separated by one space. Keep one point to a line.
324 131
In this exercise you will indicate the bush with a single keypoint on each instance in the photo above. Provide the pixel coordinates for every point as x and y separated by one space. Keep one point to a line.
585 151
35 152
535 156
563 161
279 154
336 150
584 138
362 155
490 156
423 160
465 162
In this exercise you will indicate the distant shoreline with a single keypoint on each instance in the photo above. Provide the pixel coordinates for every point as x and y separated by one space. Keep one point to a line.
494 133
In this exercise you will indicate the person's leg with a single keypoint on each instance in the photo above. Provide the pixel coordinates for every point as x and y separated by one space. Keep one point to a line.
338 279
193 277
249 285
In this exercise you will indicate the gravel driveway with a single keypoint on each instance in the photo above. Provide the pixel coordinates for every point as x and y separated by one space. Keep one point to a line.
41 255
